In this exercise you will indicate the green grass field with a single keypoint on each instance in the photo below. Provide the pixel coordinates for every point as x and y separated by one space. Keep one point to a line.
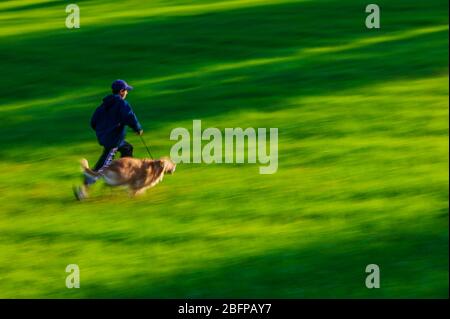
363 149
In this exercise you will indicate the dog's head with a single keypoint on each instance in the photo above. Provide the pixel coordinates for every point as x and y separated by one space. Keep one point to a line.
168 165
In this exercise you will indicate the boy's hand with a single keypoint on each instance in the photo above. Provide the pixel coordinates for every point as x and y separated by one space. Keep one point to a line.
140 132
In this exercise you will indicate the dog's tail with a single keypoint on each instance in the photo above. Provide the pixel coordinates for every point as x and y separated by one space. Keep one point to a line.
85 168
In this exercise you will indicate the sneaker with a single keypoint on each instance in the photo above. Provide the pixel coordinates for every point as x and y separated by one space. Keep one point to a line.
80 192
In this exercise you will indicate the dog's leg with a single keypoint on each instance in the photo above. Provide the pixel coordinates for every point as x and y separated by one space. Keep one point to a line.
143 190
137 191
132 192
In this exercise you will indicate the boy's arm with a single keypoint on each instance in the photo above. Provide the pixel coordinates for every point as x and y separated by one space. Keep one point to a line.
129 118
94 119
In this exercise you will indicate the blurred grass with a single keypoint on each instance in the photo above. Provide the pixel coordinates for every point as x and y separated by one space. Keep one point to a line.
363 149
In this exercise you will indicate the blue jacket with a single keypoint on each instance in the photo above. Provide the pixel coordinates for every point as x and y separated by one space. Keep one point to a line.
110 118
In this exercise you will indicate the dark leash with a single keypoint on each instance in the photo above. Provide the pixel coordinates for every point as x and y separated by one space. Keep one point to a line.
146 147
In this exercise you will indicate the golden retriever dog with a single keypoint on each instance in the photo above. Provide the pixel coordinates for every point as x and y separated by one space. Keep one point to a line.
138 174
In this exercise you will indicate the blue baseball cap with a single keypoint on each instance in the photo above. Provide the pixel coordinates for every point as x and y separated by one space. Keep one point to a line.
118 85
